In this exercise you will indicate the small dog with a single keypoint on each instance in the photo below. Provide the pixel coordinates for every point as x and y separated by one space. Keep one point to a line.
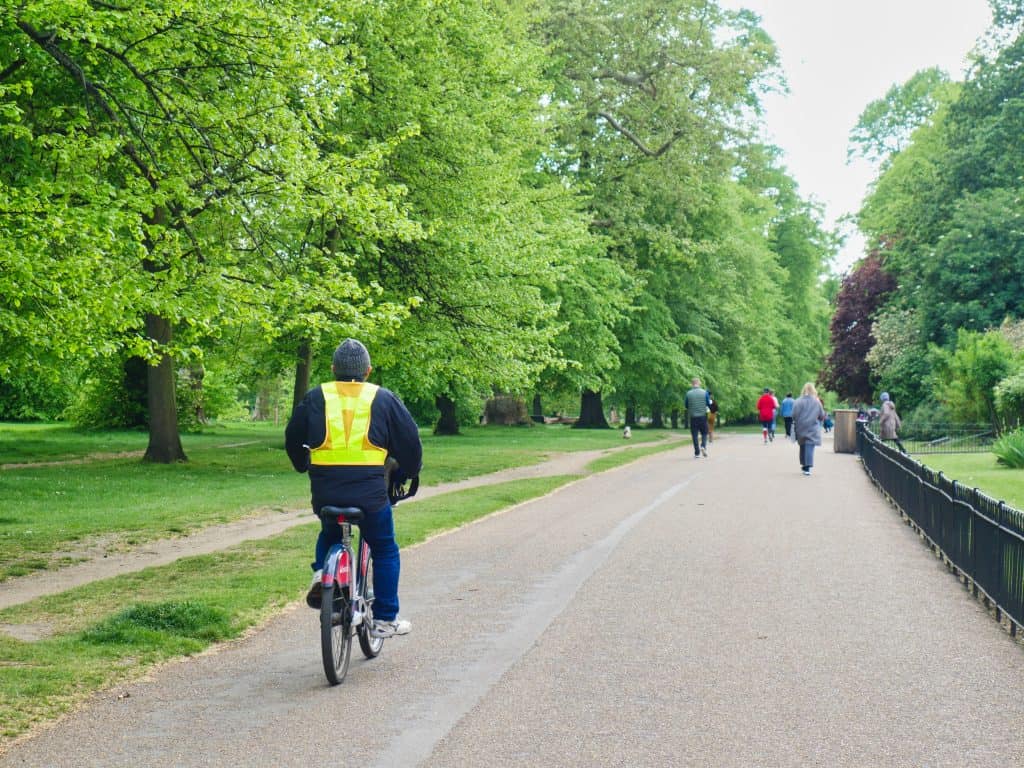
627 433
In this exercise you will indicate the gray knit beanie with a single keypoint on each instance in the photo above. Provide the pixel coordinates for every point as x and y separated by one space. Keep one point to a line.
351 360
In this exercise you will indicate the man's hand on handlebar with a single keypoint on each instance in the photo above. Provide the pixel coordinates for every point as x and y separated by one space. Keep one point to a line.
399 486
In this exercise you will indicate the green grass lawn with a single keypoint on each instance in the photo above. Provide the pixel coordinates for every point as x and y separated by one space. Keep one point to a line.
980 470
122 502
232 472
27 443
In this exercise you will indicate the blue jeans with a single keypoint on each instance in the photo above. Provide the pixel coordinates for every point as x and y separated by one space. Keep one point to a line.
378 528
806 455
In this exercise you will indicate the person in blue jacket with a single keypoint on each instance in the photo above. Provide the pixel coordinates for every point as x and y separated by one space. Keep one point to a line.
786 411
342 433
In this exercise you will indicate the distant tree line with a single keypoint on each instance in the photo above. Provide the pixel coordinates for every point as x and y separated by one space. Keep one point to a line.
550 199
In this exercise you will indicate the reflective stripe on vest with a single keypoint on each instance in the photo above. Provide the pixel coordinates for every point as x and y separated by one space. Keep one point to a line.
347 411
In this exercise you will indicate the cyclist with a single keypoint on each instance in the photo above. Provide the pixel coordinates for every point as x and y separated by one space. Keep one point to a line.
342 433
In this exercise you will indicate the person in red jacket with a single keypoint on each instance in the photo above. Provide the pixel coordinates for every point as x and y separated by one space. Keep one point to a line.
766 409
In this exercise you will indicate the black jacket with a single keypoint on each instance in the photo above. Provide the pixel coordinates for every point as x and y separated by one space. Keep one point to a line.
391 427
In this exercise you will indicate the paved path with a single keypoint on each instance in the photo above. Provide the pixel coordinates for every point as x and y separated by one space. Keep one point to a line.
673 612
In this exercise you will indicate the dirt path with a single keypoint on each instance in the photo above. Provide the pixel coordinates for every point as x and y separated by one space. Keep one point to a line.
217 537
92 457
104 456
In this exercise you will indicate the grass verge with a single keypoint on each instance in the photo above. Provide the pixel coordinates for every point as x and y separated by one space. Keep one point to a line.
620 458
980 470
233 472
109 632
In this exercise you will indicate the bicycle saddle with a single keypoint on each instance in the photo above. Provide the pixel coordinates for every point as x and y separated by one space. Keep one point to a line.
348 514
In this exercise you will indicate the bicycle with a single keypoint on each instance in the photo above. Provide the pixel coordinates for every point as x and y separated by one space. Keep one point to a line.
346 587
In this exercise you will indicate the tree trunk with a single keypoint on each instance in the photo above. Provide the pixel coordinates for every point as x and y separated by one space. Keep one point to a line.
262 404
303 366
164 440
196 375
657 416
538 413
675 418
591 411
447 424
631 414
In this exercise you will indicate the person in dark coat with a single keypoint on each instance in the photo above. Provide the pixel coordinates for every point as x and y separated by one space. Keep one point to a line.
342 433
889 422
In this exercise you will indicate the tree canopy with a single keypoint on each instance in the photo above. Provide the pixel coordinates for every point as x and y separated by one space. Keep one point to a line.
557 197
944 218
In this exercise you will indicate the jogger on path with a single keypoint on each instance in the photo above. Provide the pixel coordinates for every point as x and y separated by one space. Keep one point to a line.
766 409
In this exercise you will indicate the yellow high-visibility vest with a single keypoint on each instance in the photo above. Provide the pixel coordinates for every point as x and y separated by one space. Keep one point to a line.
347 443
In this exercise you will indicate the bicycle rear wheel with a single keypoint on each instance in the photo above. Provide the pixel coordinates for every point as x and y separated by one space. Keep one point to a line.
335 633
369 644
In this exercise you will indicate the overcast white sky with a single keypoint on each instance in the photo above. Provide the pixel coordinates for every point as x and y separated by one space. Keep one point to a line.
839 55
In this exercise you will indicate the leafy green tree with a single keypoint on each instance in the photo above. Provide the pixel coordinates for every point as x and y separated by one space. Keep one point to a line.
886 125
975 277
463 81
966 378
653 95
1006 13
945 209
169 131
802 248
899 358
594 295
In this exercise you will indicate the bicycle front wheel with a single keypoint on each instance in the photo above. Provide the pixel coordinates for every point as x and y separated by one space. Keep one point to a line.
369 644
335 633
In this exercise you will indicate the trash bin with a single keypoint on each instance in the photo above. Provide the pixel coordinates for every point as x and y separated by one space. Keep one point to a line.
845 438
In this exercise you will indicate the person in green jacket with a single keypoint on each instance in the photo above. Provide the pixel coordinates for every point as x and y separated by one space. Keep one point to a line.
697 403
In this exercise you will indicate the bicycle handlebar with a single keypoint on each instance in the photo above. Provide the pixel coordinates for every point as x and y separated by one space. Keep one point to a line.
398 490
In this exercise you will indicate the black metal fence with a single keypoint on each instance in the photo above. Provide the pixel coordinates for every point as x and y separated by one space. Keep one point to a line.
980 538
946 438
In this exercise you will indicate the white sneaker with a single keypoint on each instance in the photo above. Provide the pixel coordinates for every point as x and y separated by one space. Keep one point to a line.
391 628
314 595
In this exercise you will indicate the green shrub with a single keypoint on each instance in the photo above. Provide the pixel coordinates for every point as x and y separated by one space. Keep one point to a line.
1009 449
966 378
927 421
111 395
205 393
1010 399
33 397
